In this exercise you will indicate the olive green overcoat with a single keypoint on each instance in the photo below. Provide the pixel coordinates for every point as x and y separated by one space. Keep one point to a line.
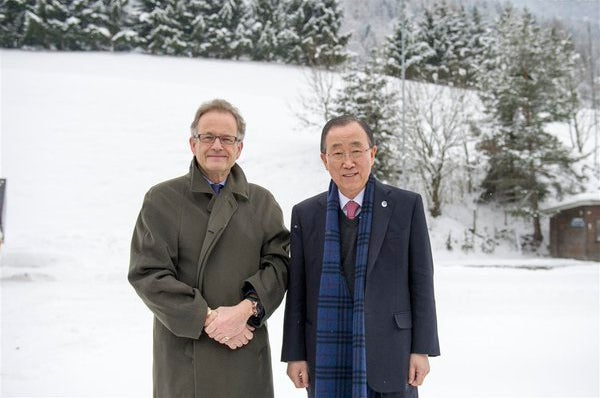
192 249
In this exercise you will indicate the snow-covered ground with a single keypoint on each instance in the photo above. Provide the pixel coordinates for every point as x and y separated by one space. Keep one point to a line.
85 135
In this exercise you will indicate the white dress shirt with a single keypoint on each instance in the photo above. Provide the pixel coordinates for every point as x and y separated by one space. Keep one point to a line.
358 199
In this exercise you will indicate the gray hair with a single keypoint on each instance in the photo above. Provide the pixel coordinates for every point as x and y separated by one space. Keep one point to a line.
222 106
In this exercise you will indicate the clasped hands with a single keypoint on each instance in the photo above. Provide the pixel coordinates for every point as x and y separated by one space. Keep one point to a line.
228 325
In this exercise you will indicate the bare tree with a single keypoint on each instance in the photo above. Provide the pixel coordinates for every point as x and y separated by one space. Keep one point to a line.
315 104
580 128
437 132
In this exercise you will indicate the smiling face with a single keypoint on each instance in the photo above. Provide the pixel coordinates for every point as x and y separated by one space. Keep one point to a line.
349 174
216 159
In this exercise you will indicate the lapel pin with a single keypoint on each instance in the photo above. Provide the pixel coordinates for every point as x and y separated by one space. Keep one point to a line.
384 204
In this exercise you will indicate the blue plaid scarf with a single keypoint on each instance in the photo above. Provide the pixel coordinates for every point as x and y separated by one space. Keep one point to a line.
341 365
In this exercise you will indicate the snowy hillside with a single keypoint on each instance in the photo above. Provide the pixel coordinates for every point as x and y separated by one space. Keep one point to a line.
83 136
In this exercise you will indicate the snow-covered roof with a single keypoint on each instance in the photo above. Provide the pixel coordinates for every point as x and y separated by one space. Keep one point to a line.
582 199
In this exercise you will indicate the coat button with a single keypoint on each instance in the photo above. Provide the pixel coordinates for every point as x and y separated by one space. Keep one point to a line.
384 204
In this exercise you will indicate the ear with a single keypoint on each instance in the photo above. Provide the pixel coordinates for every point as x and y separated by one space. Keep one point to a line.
240 147
324 160
193 143
373 152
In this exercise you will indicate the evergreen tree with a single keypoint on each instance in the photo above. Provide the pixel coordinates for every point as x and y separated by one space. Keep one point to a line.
434 39
92 31
459 60
444 46
366 94
563 71
120 23
142 21
312 36
426 43
266 25
290 38
478 41
12 21
163 24
522 95
71 25
49 25
394 47
221 30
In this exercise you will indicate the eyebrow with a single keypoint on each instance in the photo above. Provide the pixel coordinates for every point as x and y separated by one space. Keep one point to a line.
211 133
353 143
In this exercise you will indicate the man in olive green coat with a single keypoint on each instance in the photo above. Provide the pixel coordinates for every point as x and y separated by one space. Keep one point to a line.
209 257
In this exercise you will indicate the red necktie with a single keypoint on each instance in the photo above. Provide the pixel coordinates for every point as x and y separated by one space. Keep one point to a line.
351 209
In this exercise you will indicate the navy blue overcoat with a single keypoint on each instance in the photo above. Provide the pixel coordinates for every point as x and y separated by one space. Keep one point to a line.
400 313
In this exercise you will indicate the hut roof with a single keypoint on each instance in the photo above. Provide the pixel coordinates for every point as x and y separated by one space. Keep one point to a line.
571 202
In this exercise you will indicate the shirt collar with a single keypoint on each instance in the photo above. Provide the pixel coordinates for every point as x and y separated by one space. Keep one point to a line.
236 181
222 183
358 198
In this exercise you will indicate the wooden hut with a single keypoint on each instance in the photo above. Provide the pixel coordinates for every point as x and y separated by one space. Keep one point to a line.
575 227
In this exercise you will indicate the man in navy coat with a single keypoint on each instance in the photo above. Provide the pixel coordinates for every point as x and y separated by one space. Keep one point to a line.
373 273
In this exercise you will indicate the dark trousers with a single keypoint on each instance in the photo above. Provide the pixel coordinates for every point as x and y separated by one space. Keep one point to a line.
411 392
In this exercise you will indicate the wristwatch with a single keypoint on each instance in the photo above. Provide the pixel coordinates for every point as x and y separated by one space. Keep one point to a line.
254 306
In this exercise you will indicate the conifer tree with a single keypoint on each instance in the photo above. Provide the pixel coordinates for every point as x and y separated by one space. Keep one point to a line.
433 36
458 56
266 25
163 25
522 95
92 32
142 21
12 21
478 41
290 36
71 25
312 37
221 28
394 47
121 25
443 46
367 94
48 25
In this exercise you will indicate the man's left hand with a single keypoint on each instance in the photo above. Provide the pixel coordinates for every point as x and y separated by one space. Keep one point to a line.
418 369
230 321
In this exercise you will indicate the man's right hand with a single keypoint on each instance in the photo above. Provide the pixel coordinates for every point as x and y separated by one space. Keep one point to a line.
241 339
297 371
234 342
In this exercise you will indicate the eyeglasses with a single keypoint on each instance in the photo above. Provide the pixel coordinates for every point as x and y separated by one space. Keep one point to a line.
340 156
210 139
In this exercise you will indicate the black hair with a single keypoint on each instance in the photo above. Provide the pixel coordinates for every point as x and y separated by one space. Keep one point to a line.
341 121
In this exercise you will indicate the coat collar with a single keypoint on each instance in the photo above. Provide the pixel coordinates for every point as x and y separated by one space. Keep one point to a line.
383 207
381 191
236 181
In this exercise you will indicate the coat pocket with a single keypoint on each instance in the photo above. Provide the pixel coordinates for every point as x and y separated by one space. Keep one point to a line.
403 320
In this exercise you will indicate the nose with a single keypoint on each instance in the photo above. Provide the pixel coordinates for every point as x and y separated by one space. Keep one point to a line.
348 162
217 144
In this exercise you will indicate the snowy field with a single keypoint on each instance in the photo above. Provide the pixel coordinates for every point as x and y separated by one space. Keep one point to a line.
85 135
